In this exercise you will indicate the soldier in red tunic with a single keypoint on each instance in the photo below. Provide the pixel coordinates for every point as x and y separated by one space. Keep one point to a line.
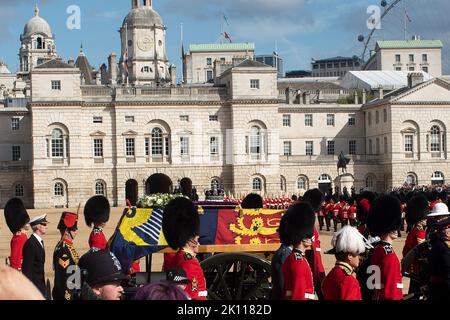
340 284
298 278
352 212
416 217
17 218
344 213
384 221
96 212
181 224
337 209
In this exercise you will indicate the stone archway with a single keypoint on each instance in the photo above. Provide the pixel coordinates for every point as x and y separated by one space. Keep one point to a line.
131 191
158 183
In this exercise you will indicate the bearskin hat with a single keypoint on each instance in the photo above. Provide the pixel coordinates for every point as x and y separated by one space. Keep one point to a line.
417 209
252 201
186 186
181 222
69 220
16 215
314 197
159 183
385 215
96 210
300 219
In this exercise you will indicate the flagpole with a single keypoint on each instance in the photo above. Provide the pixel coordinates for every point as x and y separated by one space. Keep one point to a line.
126 53
405 18
182 55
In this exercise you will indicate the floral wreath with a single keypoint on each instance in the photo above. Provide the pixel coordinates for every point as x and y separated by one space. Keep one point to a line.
158 200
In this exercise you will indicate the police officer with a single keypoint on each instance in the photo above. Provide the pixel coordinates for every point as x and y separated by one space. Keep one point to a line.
65 256
104 274
181 224
439 260
298 278
96 212
17 219
384 220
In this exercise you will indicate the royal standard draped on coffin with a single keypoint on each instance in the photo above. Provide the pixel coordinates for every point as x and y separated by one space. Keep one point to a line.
139 232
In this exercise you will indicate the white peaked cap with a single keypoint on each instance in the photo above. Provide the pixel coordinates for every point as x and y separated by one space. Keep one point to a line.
440 209
348 240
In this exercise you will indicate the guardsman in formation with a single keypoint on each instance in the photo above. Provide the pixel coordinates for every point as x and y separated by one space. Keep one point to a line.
181 227
328 212
352 212
96 212
34 253
439 261
384 221
340 284
65 256
315 198
337 209
17 219
344 213
298 278
416 213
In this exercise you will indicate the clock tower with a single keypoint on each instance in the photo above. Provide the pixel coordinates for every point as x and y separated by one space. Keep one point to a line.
143 40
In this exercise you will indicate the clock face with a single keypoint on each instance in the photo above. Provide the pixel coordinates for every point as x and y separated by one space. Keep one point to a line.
145 44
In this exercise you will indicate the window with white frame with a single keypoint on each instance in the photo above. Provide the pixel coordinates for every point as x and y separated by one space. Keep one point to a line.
98 148
254 83
411 58
213 118
208 61
397 58
184 146
437 177
330 120
352 147
57 143
287 148
256 184
209 75
309 149
56 85
184 118
308 120
330 148
129 118
424 57
214 146
157 142
286 120
369 182
100 188
282 183
255 141
16 153
410 180
130 147
301 183
15 124
435 139
351 119
58 189
409 140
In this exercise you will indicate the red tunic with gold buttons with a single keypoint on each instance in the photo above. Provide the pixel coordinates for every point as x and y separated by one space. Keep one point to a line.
340 284
352 212
196 289
337 210
344 211
298 280
17 242
391 284
97 239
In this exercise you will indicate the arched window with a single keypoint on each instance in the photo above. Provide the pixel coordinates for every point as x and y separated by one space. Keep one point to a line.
301 183
435 139
369 182
324 178
39 43
410 180
282 184
257 184
157 142
255 140
58 189
215 184
18 192
437 178
100 188
57 143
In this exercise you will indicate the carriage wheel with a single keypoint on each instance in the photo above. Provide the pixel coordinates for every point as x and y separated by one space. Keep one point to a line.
237 276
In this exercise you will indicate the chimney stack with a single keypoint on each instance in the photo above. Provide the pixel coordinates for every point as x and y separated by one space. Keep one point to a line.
112 68
356 97
364 96
173 74
414 79
288 96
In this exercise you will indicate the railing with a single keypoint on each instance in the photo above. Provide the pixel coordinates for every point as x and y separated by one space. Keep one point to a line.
96 91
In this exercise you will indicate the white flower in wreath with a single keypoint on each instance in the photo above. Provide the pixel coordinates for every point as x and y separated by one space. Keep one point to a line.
159 202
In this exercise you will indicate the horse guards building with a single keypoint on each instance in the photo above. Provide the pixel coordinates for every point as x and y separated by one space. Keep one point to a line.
68 131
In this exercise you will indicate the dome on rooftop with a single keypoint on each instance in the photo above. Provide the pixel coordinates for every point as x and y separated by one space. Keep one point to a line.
37 25
143 16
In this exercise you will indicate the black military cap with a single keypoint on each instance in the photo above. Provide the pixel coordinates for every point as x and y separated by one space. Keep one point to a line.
102 266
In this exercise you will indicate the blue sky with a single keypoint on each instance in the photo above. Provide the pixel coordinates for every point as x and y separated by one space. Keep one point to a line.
302 29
